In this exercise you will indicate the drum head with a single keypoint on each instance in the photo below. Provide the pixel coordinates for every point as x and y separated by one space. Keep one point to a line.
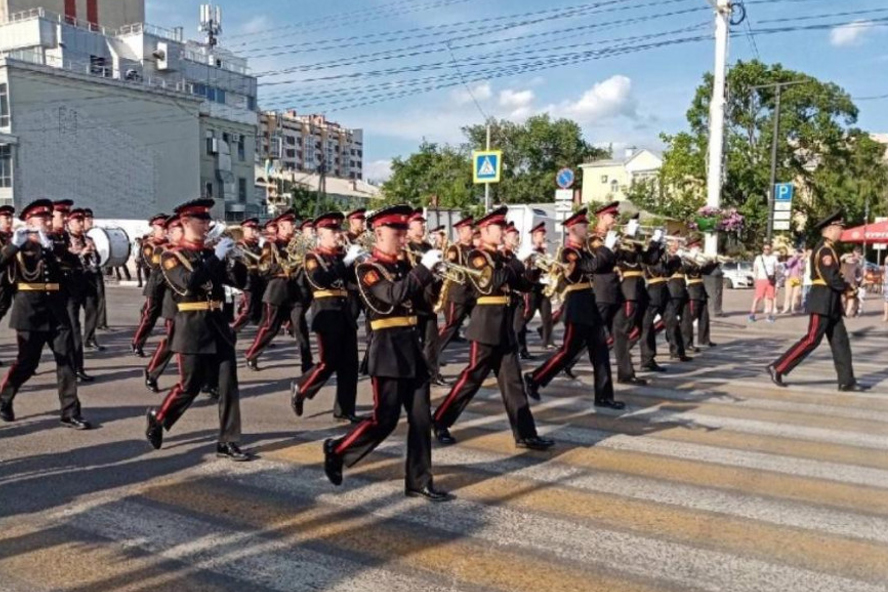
112 245
103 244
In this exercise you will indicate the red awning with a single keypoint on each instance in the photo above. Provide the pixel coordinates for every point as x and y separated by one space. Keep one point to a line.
877 232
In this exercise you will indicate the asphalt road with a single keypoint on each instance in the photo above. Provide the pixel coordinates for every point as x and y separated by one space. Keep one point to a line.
712 479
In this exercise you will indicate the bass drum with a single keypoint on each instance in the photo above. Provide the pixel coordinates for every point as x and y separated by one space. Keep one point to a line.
112 245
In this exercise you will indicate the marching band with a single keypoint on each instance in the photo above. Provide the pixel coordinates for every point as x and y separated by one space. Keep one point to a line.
612 287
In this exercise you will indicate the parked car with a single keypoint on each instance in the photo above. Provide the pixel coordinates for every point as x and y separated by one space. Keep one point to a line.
738 275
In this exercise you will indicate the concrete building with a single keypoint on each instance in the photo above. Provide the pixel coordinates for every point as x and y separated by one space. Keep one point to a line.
608 180
210 108
307 142
110 14
347 193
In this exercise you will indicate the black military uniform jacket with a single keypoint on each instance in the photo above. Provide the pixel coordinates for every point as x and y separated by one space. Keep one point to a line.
74 278
33 267
197 278
694 275
606 281
675 271
5 278
327 276
254 283
533 272
827 284
459 254
151 252
388 287
168 308
280 275
424 304
630 261
580 307
657 274
492 322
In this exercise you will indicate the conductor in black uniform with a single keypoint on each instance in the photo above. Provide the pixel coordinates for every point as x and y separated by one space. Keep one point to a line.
203 340
827 313
491 331
39 315
397 368
584 327
328 269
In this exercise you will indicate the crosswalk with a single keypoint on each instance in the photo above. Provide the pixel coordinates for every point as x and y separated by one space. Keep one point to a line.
713 479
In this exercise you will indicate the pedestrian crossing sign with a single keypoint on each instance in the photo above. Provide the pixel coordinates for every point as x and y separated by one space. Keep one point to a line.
487 166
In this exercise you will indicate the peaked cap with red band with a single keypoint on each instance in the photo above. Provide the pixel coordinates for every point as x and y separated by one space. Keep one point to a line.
359 214
38 207
270 224
158 219
286 216
7 211
330 220
392 216
62 205
578 218
307 224
417 217
173 221
541 227
497 216
76 213
511 228
88 212
611 208
467 221
250 223
196 208
440 228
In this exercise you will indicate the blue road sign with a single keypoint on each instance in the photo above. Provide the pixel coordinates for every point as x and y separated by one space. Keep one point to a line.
565 178
488 166
783 192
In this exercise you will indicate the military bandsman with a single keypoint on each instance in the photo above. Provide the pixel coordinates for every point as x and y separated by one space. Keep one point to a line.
250 307
149 254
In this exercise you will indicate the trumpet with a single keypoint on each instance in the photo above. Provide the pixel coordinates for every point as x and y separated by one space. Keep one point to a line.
457 273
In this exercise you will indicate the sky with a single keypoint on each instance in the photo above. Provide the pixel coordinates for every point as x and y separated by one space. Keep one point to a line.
411 70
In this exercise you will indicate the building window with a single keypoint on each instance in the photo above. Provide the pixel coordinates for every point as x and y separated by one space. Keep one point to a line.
211 136
210 93
604 179
226 138
241 147
291 154
220 96
5 165
242 190
615 186
208 189
4 105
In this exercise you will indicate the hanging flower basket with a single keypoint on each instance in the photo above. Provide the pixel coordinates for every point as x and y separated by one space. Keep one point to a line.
705 224
713 219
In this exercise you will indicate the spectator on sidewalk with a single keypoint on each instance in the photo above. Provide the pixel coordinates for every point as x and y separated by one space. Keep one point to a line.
852 273
806 279
764 271
792 271
885 292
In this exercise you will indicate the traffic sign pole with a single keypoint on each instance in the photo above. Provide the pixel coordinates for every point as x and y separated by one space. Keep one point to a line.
487 185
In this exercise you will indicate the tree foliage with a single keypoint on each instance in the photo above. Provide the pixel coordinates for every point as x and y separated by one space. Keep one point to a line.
533 152
831 163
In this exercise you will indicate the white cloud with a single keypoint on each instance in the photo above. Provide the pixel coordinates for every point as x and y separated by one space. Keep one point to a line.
518 103
609 98
255 25
378 170
482 92
850 34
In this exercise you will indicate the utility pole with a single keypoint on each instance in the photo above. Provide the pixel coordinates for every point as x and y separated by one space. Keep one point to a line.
778 89
717 115
487 185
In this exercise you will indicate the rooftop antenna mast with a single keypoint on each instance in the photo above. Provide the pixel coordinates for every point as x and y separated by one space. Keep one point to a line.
211 23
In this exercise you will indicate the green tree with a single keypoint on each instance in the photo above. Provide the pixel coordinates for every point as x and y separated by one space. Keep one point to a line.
305 201
533 153
831 163
435 174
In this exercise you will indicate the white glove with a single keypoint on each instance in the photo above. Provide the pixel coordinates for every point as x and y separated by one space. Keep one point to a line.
632 227
352 254
545 281
611 239
45 241
524 252
20 237
432 259
223 247
657 236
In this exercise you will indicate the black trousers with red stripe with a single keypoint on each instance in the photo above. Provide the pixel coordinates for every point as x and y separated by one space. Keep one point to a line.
273 318
502 360
693 311
818 326
671 320
249 310
389 396
535 301
428 339
455 314
649 332
30 346
195 370
150 313
576 339
163 354
337 353
627 325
